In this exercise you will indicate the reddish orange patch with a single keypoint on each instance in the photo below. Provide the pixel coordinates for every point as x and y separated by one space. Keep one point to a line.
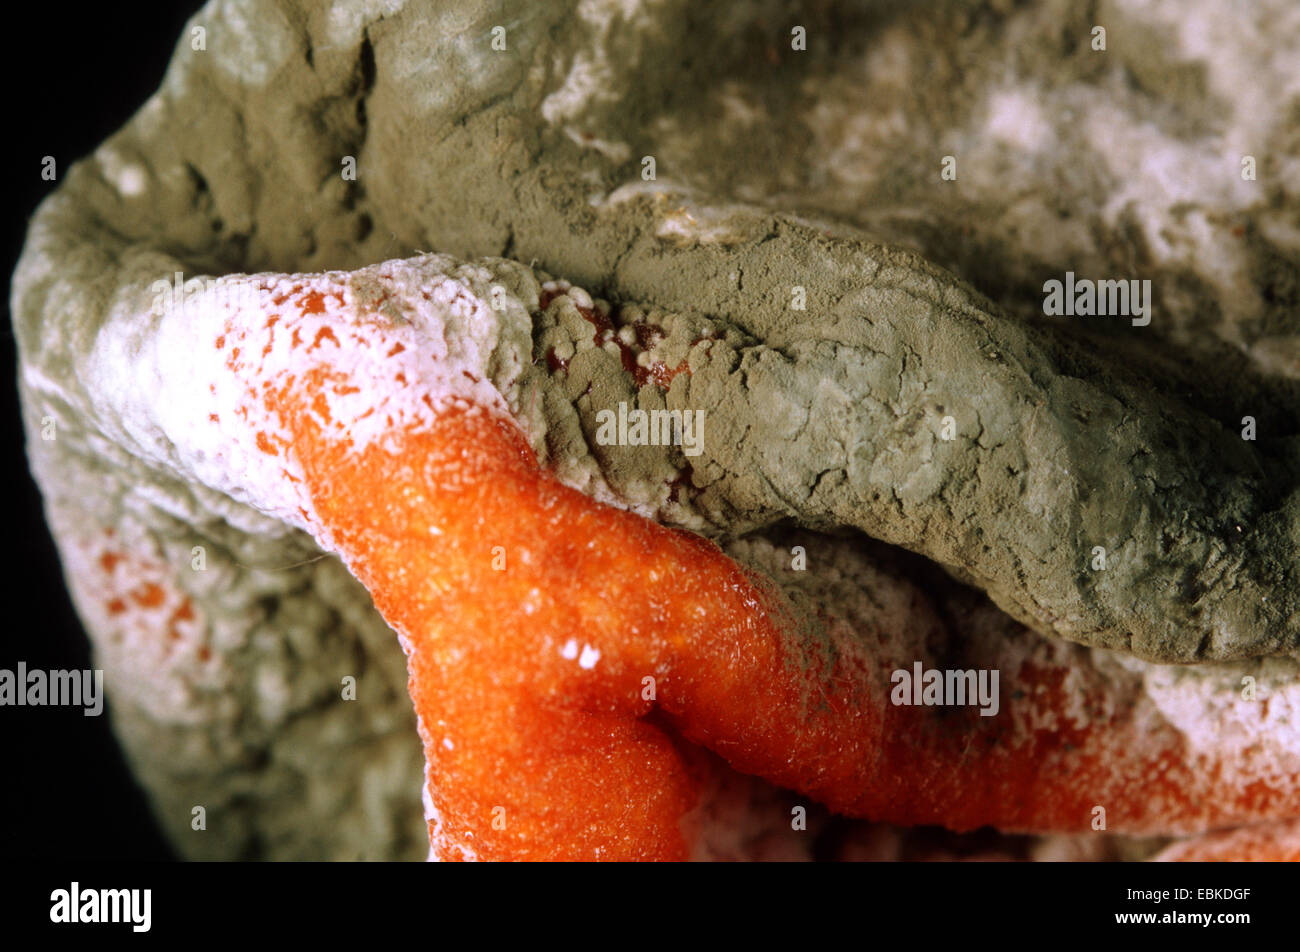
313 302
536 695
184 612
324 333
141 594
148 595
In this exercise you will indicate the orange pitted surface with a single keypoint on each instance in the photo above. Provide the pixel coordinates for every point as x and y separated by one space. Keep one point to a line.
533 692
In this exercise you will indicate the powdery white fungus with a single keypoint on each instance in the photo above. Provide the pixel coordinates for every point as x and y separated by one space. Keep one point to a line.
391 345
593 70
1136 711
247 40
127 177
347 18
617 152
1015 118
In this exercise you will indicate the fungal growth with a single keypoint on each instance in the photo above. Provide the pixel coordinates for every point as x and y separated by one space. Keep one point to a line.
692 514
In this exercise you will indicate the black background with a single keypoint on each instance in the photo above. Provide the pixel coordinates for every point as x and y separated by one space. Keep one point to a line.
75 76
